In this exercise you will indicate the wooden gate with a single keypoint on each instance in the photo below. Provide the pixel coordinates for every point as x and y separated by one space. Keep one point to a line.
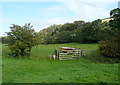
68 54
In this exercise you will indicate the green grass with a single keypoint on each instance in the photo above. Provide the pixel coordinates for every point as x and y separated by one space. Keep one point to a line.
0 63
39 69
45 50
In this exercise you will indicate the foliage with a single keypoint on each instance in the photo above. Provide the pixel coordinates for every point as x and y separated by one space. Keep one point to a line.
83 33
21 39
3 39
48 35
59 33
111 47
63 37
115 23
78 31
92 32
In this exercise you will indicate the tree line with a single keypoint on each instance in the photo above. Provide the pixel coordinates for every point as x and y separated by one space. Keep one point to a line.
21 38
78 31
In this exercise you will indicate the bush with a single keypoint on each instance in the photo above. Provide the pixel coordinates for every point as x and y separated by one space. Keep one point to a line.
21 39
110 48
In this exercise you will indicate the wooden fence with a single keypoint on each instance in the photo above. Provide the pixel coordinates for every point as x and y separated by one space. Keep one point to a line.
68 54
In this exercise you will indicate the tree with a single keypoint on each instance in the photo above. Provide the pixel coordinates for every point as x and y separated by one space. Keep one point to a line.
63 37
48 35
67 27
92 32
100 30
104 31
111 47
115 22
83 33
21 39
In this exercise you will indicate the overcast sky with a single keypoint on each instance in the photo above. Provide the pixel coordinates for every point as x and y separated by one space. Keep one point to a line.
42 14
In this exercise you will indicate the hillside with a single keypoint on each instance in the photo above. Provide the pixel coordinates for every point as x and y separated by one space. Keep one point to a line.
39 69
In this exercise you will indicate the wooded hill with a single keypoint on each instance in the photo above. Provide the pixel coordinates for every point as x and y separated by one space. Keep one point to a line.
78 31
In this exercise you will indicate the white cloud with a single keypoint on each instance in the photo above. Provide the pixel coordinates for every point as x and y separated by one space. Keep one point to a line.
51 11
89 11
40 24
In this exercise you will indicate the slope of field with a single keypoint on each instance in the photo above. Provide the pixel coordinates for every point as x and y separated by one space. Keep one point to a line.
39 69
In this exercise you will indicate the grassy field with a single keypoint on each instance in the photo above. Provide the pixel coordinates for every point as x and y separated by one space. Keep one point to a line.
39 69
0 63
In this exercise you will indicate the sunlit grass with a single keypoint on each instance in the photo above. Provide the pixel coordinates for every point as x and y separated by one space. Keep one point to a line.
40 69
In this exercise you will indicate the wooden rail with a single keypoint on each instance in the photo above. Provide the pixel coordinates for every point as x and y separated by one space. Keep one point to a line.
68 54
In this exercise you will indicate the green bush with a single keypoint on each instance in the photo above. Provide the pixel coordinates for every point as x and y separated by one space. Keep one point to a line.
21 39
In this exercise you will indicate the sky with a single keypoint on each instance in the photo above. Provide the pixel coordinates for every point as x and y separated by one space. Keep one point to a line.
42 14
